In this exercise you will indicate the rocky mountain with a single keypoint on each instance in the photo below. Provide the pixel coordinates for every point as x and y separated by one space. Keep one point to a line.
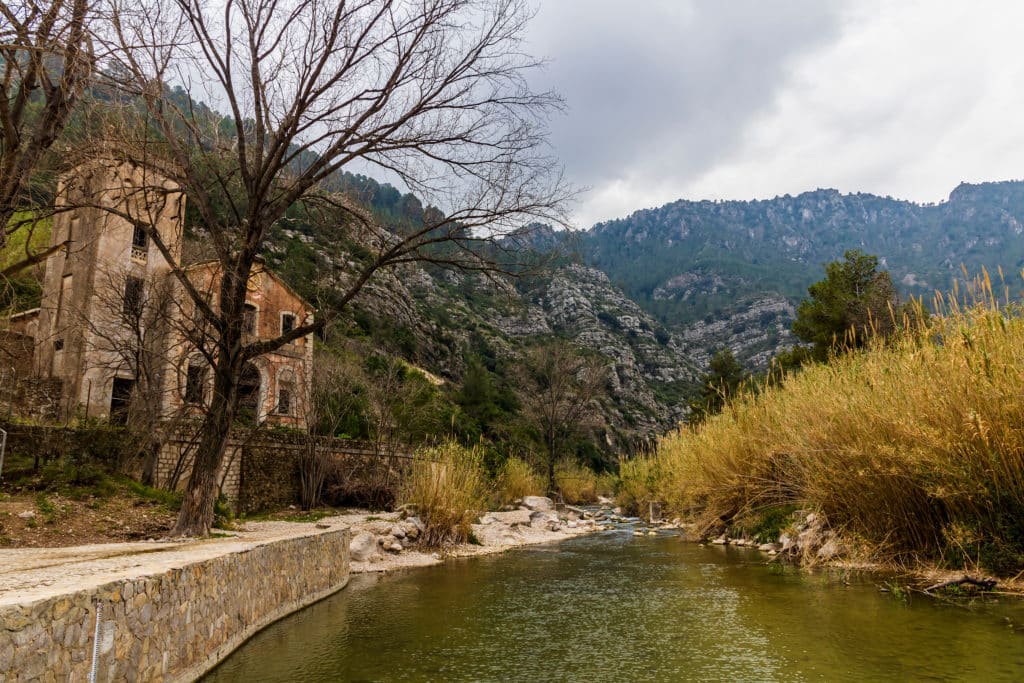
728 273
658 292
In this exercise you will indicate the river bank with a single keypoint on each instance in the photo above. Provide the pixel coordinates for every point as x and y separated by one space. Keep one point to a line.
383 542
171 610
161 610
806 541
619 605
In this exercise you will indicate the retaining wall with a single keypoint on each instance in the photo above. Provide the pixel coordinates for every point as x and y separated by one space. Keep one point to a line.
174 625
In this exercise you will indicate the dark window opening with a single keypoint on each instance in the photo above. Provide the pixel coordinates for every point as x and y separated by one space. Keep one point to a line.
249 319
284 399
287 323
58 345
133 288
248 395
195 383
120 398
139 238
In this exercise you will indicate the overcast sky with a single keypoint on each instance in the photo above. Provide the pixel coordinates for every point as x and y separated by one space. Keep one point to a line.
674 99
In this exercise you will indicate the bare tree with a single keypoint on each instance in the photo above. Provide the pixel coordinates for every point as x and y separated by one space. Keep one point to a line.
333 397
564 391
432 91
130 331
46 60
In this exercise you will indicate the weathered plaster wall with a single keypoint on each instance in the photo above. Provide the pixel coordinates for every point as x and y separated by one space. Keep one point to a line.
170 626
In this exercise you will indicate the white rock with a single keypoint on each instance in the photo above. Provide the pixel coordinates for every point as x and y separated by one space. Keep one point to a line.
27 514
538 503
830 550
363 547
547 521
571 524
721 540
510 518
398 532
496 534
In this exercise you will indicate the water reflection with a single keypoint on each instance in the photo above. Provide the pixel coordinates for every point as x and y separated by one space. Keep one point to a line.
614 607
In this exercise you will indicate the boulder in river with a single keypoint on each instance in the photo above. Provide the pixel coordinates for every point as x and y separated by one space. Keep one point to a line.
363 547
548 521
538 503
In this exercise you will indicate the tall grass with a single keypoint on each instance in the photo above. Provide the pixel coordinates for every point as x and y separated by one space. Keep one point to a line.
575 483
516 479
447 486
914 448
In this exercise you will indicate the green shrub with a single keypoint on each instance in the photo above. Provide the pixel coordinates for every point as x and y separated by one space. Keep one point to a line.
639 478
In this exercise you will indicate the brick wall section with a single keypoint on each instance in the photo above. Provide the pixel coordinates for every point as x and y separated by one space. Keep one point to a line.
260 470
172 626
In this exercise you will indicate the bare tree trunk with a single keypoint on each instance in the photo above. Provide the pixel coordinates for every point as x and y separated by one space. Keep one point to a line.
196 515
551 464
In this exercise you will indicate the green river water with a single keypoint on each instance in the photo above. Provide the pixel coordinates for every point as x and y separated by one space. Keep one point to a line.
615 607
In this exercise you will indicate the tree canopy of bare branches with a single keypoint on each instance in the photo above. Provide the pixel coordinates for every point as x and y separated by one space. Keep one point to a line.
433 92
46 61
565 387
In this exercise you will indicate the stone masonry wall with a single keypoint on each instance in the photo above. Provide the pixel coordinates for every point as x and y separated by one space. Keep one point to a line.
172 626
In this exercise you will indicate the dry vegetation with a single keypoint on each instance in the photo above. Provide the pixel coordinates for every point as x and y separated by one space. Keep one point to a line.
75 505
913 450
517 479
448 488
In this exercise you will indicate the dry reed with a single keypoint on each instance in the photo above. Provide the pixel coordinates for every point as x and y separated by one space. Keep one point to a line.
447 486
913 448
575 483
517 479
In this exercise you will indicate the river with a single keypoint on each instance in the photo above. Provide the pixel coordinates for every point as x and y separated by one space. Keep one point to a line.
617 607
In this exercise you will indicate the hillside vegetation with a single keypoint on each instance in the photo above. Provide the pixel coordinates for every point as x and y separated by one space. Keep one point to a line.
722 272
912 451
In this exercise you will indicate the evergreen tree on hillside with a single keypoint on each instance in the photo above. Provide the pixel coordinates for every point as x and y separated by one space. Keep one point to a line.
724 378
854 302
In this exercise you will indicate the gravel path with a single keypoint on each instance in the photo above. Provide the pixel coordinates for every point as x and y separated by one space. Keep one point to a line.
29 574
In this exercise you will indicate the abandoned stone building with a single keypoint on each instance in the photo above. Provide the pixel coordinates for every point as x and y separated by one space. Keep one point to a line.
116 330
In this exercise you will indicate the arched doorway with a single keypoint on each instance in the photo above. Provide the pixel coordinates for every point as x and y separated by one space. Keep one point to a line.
248 395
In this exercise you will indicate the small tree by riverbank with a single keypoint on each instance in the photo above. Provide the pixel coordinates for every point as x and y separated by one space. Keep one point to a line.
913 448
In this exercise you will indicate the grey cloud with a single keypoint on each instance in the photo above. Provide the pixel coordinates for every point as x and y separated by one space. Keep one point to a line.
658 91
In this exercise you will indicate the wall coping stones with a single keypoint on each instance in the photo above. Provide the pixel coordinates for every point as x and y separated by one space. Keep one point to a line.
170 610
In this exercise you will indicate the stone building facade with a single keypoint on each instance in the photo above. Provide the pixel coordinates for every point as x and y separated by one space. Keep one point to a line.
116 326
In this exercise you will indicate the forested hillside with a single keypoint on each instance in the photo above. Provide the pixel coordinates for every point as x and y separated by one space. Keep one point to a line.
717 271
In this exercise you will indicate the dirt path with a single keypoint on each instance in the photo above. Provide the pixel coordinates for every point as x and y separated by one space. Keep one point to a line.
29 574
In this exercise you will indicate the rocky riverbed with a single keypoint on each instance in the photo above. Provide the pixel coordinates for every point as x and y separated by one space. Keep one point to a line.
389 541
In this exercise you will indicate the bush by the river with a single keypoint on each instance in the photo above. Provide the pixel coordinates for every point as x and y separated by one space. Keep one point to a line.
913 449
448 487
517 479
